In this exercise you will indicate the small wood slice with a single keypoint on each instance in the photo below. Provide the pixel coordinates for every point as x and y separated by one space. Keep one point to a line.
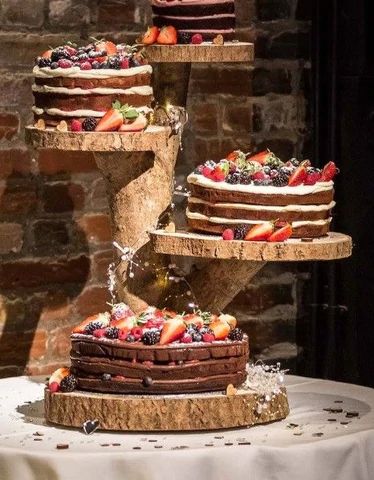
154 138
205 52
209 411
332 247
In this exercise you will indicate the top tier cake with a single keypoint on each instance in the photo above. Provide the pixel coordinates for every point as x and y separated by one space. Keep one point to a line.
83 82
208 17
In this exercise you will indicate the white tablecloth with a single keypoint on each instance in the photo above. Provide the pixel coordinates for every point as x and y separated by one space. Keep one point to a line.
311 444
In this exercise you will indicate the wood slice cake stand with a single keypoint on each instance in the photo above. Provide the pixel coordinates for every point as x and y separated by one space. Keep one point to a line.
163 412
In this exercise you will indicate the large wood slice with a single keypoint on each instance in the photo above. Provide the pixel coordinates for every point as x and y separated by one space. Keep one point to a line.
207 411
205 52
331 247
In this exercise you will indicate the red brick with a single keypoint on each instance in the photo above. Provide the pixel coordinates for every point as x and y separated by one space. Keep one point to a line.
11 238
114 15
17 197
9 124
15 162
19 12
212 80
59 343
18 346
68 13
96 227
93 300
35 273
205 117
52 162
57 306
47 369
50 235
61 197
237 119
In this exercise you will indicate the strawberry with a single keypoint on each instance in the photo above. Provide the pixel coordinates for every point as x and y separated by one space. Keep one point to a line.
109 47
76 125
228 234
329 171
228 319
312 178
261 157
208 172
208 337
115 117
99 317
220 328
56 378
261 231
167 36
282 234
139 124
221 171
47 54
298 176
235 155
193 319
128 322
197 39
172 330
150 36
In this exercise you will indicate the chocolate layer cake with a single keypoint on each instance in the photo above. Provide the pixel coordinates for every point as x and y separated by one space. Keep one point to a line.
164 369
245 191
208 17
81 84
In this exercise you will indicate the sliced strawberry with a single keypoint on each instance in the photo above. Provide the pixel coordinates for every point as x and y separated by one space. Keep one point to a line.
150 36
220 328
329 171
172 330
167 36
261 157
228 319
47 54
99 317
193 319
110 122
261 231
136 126
109 47
282 234
298 176
56 378
128 322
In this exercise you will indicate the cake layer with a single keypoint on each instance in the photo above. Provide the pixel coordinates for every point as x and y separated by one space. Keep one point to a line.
321 193
136 386
214 22
192 9
135 80
103 73
287 213
217 225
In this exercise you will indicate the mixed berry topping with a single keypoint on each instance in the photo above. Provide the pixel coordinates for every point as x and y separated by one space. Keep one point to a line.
96 55
264 169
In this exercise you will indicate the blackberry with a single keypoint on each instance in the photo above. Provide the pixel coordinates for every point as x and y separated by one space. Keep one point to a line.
106 377
191 329
95 65
92 326
184 38
114 63
89 124
236 334
281 180
264 182
112 332
68 383
82 57
286 170
43 62
295 162
134 62
54 65
130 339
240 232
151 337
197 337
245 179
57 54
233 178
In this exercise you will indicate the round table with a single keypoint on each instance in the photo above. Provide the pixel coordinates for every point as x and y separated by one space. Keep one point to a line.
329 435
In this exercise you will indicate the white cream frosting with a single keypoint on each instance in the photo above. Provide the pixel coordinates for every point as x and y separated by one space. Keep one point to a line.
141 90
79 113
76 72
221 220
173 3
197 179
284 208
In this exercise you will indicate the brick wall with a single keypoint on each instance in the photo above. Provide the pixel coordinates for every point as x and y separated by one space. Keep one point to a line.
54 230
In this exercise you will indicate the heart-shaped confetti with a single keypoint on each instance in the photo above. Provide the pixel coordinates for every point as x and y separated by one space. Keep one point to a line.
90 426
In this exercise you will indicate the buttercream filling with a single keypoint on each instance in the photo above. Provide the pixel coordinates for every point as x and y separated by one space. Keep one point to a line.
286 208
207 17
142 90
220 220
76 72
173 3
78 113
263 190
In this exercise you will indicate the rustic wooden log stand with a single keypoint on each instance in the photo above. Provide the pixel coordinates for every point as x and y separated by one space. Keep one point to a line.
139 173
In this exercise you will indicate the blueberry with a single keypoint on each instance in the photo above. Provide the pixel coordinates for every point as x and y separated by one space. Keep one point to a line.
106 377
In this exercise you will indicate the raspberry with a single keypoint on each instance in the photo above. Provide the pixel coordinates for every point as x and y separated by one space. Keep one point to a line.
197 39
76 126
99 333
85 66
54 387
123 334
208 337
187 338
137 333
228 234
65 63
125 63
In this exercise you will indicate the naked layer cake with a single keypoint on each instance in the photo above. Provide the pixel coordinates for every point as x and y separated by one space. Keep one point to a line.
244 190
73 82
208 17
157 351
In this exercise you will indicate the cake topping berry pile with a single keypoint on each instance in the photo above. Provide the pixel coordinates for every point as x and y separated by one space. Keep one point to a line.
162 327
265 169
100 54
